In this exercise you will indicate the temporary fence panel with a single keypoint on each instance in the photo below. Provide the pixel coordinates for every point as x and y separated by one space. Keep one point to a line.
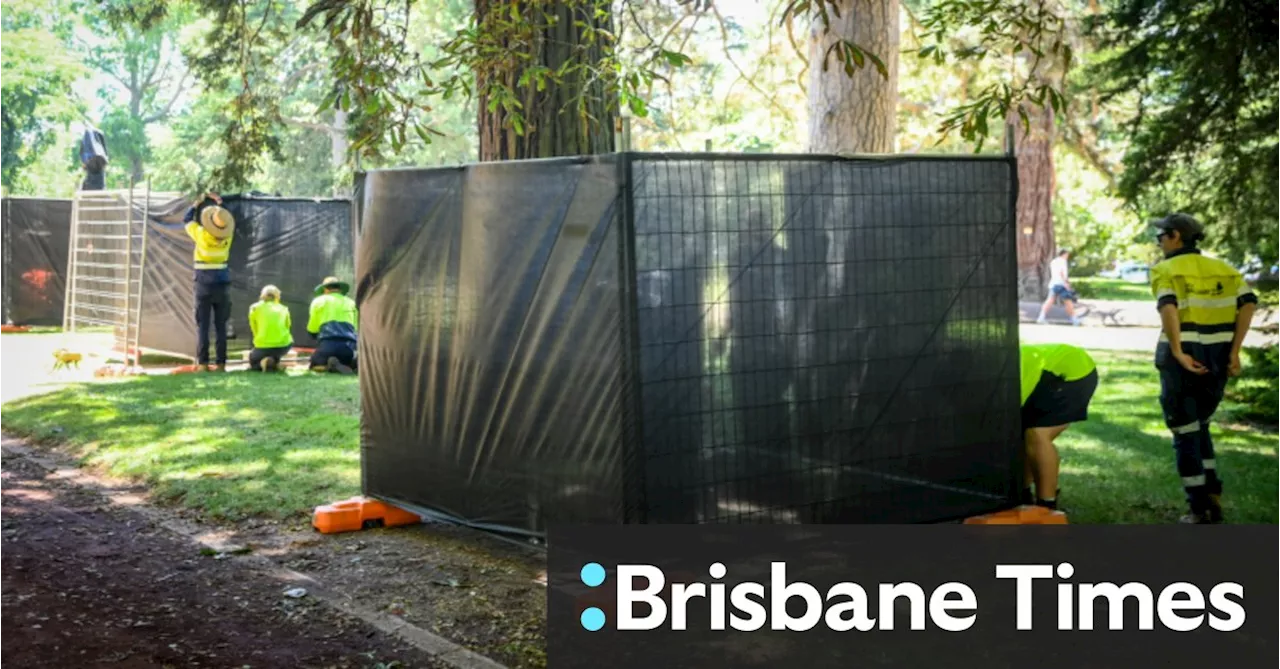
491 345
37 234
691 338
105 286
292 243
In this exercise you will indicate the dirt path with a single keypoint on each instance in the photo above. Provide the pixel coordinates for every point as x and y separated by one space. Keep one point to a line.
90 584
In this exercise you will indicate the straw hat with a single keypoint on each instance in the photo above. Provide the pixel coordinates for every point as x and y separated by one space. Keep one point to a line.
218 222
269 293
333 282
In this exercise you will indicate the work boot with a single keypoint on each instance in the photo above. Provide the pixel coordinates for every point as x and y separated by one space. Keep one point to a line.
1195 518
219 368
335 365
1215 509
269 364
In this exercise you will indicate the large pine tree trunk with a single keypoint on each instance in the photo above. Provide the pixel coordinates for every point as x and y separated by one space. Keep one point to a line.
854 114
1034 150
572 118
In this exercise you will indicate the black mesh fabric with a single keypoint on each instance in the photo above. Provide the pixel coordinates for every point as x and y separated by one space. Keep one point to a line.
36 237
691 338
290 243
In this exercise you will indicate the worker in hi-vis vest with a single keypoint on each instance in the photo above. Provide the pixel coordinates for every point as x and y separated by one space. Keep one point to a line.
212 228
1205 311
333 323
270 323
1058 382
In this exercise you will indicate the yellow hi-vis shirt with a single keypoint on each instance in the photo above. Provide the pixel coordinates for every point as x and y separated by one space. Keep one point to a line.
1207 292
211 252
270 323
1064 360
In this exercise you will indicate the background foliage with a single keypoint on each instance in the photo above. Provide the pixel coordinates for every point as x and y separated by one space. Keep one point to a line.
1161 105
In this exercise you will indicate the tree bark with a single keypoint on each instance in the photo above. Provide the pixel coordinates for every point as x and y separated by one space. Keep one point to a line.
854 114
555 123
1034 150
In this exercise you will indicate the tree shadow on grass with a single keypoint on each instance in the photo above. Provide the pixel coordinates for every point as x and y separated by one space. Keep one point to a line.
233 445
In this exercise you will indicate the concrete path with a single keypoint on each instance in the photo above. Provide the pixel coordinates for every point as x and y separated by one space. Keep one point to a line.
1120 313
1116 339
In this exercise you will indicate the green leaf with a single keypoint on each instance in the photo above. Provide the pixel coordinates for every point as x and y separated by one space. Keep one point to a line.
675 58
880 66
857 56
638 107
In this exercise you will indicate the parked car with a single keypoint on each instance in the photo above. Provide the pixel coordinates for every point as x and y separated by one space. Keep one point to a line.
1128 270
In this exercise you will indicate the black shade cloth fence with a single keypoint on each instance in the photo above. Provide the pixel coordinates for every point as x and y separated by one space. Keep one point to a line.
287 242
292 243
36 236
691 338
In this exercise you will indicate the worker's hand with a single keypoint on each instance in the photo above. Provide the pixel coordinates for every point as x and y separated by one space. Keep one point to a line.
1234 368
214 196
1189 363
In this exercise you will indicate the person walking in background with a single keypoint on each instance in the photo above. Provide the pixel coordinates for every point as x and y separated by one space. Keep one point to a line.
212 228
1060 289
333 323
270 323
93 158
1205 311
1058 382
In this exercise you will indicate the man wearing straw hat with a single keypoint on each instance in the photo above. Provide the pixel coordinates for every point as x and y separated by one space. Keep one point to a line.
212 234
333 323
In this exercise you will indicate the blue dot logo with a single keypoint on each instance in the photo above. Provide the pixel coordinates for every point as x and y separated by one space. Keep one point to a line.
592 619
592 574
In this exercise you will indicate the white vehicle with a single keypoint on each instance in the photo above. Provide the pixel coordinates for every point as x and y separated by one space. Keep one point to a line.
1128 270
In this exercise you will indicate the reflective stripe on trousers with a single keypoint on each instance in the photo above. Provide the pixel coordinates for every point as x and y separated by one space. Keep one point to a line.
1189 401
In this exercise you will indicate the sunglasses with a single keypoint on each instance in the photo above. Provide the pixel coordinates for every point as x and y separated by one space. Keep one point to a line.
1162 234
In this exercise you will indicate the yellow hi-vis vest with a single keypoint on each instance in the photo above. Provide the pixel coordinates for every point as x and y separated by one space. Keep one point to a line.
211 252
1208 292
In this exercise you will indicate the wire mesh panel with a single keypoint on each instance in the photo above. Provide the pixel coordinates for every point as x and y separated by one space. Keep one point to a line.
825 340
105 284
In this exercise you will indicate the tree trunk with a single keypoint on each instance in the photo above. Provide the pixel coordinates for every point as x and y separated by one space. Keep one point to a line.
1034 150
566 119
854 114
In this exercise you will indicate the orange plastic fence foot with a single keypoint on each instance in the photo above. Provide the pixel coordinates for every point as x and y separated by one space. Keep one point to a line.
7 329
187 369
359 513
1022 515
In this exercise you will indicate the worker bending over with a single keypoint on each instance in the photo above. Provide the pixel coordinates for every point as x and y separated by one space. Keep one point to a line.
1205 311
212 228
1058 381
333 322
271 325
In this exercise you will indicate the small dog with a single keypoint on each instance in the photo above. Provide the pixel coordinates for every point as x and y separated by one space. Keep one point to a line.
65 359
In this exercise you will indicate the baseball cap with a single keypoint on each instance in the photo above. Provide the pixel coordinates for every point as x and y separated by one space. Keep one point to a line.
1185 224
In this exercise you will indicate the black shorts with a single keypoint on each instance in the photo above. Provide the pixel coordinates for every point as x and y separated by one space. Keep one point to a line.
1056 401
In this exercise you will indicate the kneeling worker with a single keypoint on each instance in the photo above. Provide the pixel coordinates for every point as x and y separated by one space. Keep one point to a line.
1058 381
271 324
333 322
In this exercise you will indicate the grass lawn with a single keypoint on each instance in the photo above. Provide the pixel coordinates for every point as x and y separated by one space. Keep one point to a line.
242 444
231 445
1118 466
1097 288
